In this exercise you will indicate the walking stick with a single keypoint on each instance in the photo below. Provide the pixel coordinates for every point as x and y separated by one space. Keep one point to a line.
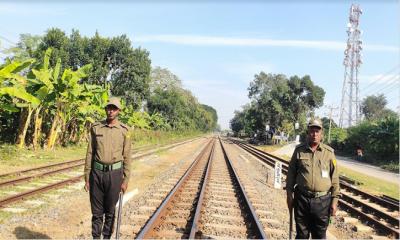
121 196
291 223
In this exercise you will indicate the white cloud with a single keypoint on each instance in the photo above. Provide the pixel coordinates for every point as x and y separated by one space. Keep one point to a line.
199 40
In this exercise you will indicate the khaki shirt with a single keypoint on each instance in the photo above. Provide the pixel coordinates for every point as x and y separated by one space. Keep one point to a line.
107 145
315 171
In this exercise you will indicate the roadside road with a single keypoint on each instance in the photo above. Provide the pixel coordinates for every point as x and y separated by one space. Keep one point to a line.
363 168
368 169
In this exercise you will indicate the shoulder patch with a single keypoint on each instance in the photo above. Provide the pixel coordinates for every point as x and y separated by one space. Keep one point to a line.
334 162
128 134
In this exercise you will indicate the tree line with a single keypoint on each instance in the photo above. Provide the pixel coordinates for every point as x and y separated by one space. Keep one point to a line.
280 101
53 87
377 134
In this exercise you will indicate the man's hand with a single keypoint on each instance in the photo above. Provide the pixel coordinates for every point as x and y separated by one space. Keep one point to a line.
86 187
124 186
289 201
333 209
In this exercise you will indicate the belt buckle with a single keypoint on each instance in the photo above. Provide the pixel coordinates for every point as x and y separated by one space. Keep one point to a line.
311 194
107 168
315 194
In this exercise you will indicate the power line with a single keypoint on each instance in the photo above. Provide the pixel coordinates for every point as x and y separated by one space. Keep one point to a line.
391 83
391 90
394 98
8 40
380 78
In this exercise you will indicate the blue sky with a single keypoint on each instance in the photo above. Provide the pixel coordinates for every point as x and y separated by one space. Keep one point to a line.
216 49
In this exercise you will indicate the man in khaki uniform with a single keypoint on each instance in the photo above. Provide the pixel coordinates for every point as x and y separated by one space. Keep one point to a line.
313 179
107 168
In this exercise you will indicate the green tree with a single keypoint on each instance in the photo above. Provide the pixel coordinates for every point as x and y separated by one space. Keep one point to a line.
213 113
180 109
164 79
14 86
374 107
325 123
380 139
114 61
25 48
278 101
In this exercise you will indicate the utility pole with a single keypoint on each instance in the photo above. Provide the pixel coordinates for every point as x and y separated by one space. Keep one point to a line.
350 104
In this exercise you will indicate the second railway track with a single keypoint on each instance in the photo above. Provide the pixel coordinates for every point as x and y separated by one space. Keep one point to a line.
53 176
382 213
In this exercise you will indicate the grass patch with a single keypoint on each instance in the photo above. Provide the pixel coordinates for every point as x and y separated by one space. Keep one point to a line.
269 148
371 184
393 167
15 159
142 137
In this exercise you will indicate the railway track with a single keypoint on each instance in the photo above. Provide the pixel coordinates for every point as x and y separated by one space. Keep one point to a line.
148 150
382 213
40 174
208 201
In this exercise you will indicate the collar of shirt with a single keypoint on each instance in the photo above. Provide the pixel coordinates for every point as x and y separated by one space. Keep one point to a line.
319 148
116 125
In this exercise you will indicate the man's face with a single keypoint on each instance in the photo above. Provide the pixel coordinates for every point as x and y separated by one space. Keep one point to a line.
315 135
112 112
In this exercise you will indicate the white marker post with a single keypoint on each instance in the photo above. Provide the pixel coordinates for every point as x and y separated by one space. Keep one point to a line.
296 127
278 175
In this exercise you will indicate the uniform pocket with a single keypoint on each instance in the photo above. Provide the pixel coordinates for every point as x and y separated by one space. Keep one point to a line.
304 164
99 137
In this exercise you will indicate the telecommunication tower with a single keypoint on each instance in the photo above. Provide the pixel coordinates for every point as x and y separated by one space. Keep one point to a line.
350 113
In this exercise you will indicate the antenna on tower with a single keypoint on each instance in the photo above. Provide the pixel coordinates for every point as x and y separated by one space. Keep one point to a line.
350 113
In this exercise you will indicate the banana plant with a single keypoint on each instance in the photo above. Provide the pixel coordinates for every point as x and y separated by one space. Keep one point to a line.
60 95
13 84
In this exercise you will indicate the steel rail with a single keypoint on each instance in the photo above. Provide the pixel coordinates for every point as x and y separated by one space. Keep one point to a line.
197 214
155 219
161 147
26 179
269 159
390 199
23 195
263 156
343 203
380 201
366 208
370 220
254 221
40 168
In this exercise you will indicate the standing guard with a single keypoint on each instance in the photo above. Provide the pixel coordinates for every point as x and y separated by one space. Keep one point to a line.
107 168
314 181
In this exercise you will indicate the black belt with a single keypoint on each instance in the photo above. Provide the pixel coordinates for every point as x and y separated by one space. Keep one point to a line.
311 194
